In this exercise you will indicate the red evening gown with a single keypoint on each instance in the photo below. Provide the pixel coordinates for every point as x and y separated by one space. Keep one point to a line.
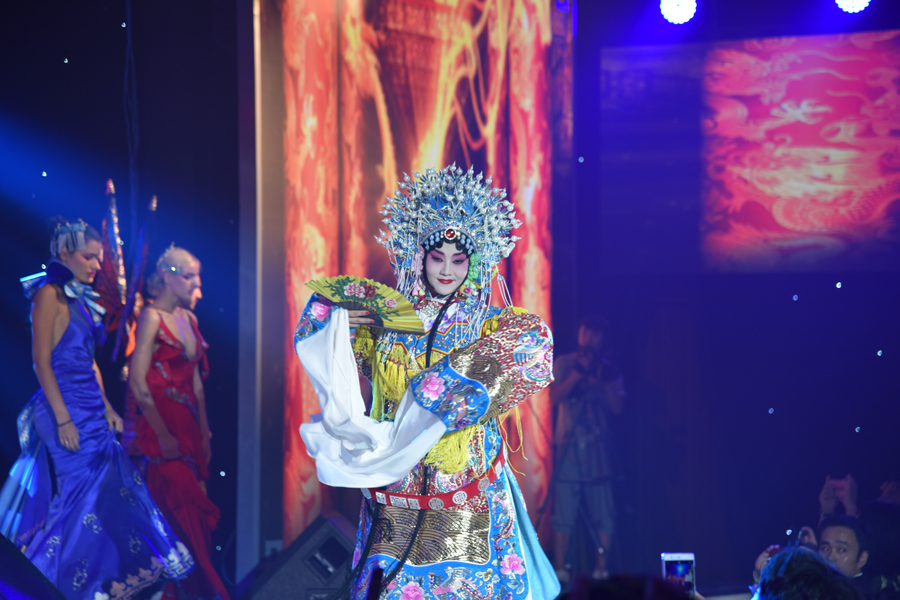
176 484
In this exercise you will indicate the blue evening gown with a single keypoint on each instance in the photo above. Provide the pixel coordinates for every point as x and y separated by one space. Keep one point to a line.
100 536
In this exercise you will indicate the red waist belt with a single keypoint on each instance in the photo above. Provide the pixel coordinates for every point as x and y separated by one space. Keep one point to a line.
457 497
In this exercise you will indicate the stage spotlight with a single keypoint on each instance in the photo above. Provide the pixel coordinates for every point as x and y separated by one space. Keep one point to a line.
852 6
681 11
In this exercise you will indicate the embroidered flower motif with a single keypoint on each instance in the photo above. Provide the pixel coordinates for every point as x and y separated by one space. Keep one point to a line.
80 577
134 544
319 311
101 596
512 565
390 303
354 289
52 543
91 521
432 386
126 493
412 591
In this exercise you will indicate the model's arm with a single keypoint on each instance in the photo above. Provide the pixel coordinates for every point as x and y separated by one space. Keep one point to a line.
43 316
112 417
147 326
200 395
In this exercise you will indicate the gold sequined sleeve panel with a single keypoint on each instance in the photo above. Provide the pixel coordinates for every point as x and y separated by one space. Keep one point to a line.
490 376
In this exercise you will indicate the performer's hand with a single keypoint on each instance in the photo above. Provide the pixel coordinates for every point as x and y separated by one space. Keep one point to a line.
827 497
807 537
168 446
359 317
845 492
114 421
890 492
69 437
762 560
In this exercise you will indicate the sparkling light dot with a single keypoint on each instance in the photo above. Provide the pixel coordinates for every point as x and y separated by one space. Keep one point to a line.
879 353
789 531
857 430
219 548
795 297
123 23
222 473
43 266
581 159
678 11
852 6
66 60
771 411
43 173
838 285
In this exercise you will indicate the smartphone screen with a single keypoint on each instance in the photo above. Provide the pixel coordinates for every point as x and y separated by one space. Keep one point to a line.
678 569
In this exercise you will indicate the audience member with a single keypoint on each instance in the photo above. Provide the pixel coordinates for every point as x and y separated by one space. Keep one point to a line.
882 521
844 543
798 573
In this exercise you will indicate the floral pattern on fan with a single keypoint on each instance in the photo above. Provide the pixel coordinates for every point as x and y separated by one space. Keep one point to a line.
388 308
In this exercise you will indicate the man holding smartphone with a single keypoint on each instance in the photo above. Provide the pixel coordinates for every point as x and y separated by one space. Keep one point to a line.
587 391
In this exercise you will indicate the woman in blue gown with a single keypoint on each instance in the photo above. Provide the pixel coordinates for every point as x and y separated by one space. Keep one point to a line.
96 534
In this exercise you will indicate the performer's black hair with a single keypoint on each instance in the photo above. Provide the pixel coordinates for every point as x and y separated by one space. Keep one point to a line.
460 246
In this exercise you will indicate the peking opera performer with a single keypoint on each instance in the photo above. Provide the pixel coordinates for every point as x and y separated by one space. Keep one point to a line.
442 514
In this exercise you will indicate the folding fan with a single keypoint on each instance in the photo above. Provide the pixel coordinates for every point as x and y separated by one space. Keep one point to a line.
387 307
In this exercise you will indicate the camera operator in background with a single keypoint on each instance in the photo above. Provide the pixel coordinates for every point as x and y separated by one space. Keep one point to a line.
587 391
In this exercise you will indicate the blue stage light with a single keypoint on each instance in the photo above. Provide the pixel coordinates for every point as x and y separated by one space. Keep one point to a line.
680 11
852 6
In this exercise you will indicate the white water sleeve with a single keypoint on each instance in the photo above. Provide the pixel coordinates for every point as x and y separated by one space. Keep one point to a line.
353 450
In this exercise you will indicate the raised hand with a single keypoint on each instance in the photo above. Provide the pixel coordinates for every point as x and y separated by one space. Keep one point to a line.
827 497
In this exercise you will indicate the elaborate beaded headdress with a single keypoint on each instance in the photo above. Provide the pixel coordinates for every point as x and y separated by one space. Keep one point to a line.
69 236
452 205
455 206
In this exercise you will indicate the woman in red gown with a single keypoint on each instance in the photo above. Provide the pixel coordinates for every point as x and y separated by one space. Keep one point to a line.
167 371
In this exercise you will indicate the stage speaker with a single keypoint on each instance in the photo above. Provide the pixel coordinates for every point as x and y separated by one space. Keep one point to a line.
19 579
314 567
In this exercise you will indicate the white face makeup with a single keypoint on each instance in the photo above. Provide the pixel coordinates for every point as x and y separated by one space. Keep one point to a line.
446 268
